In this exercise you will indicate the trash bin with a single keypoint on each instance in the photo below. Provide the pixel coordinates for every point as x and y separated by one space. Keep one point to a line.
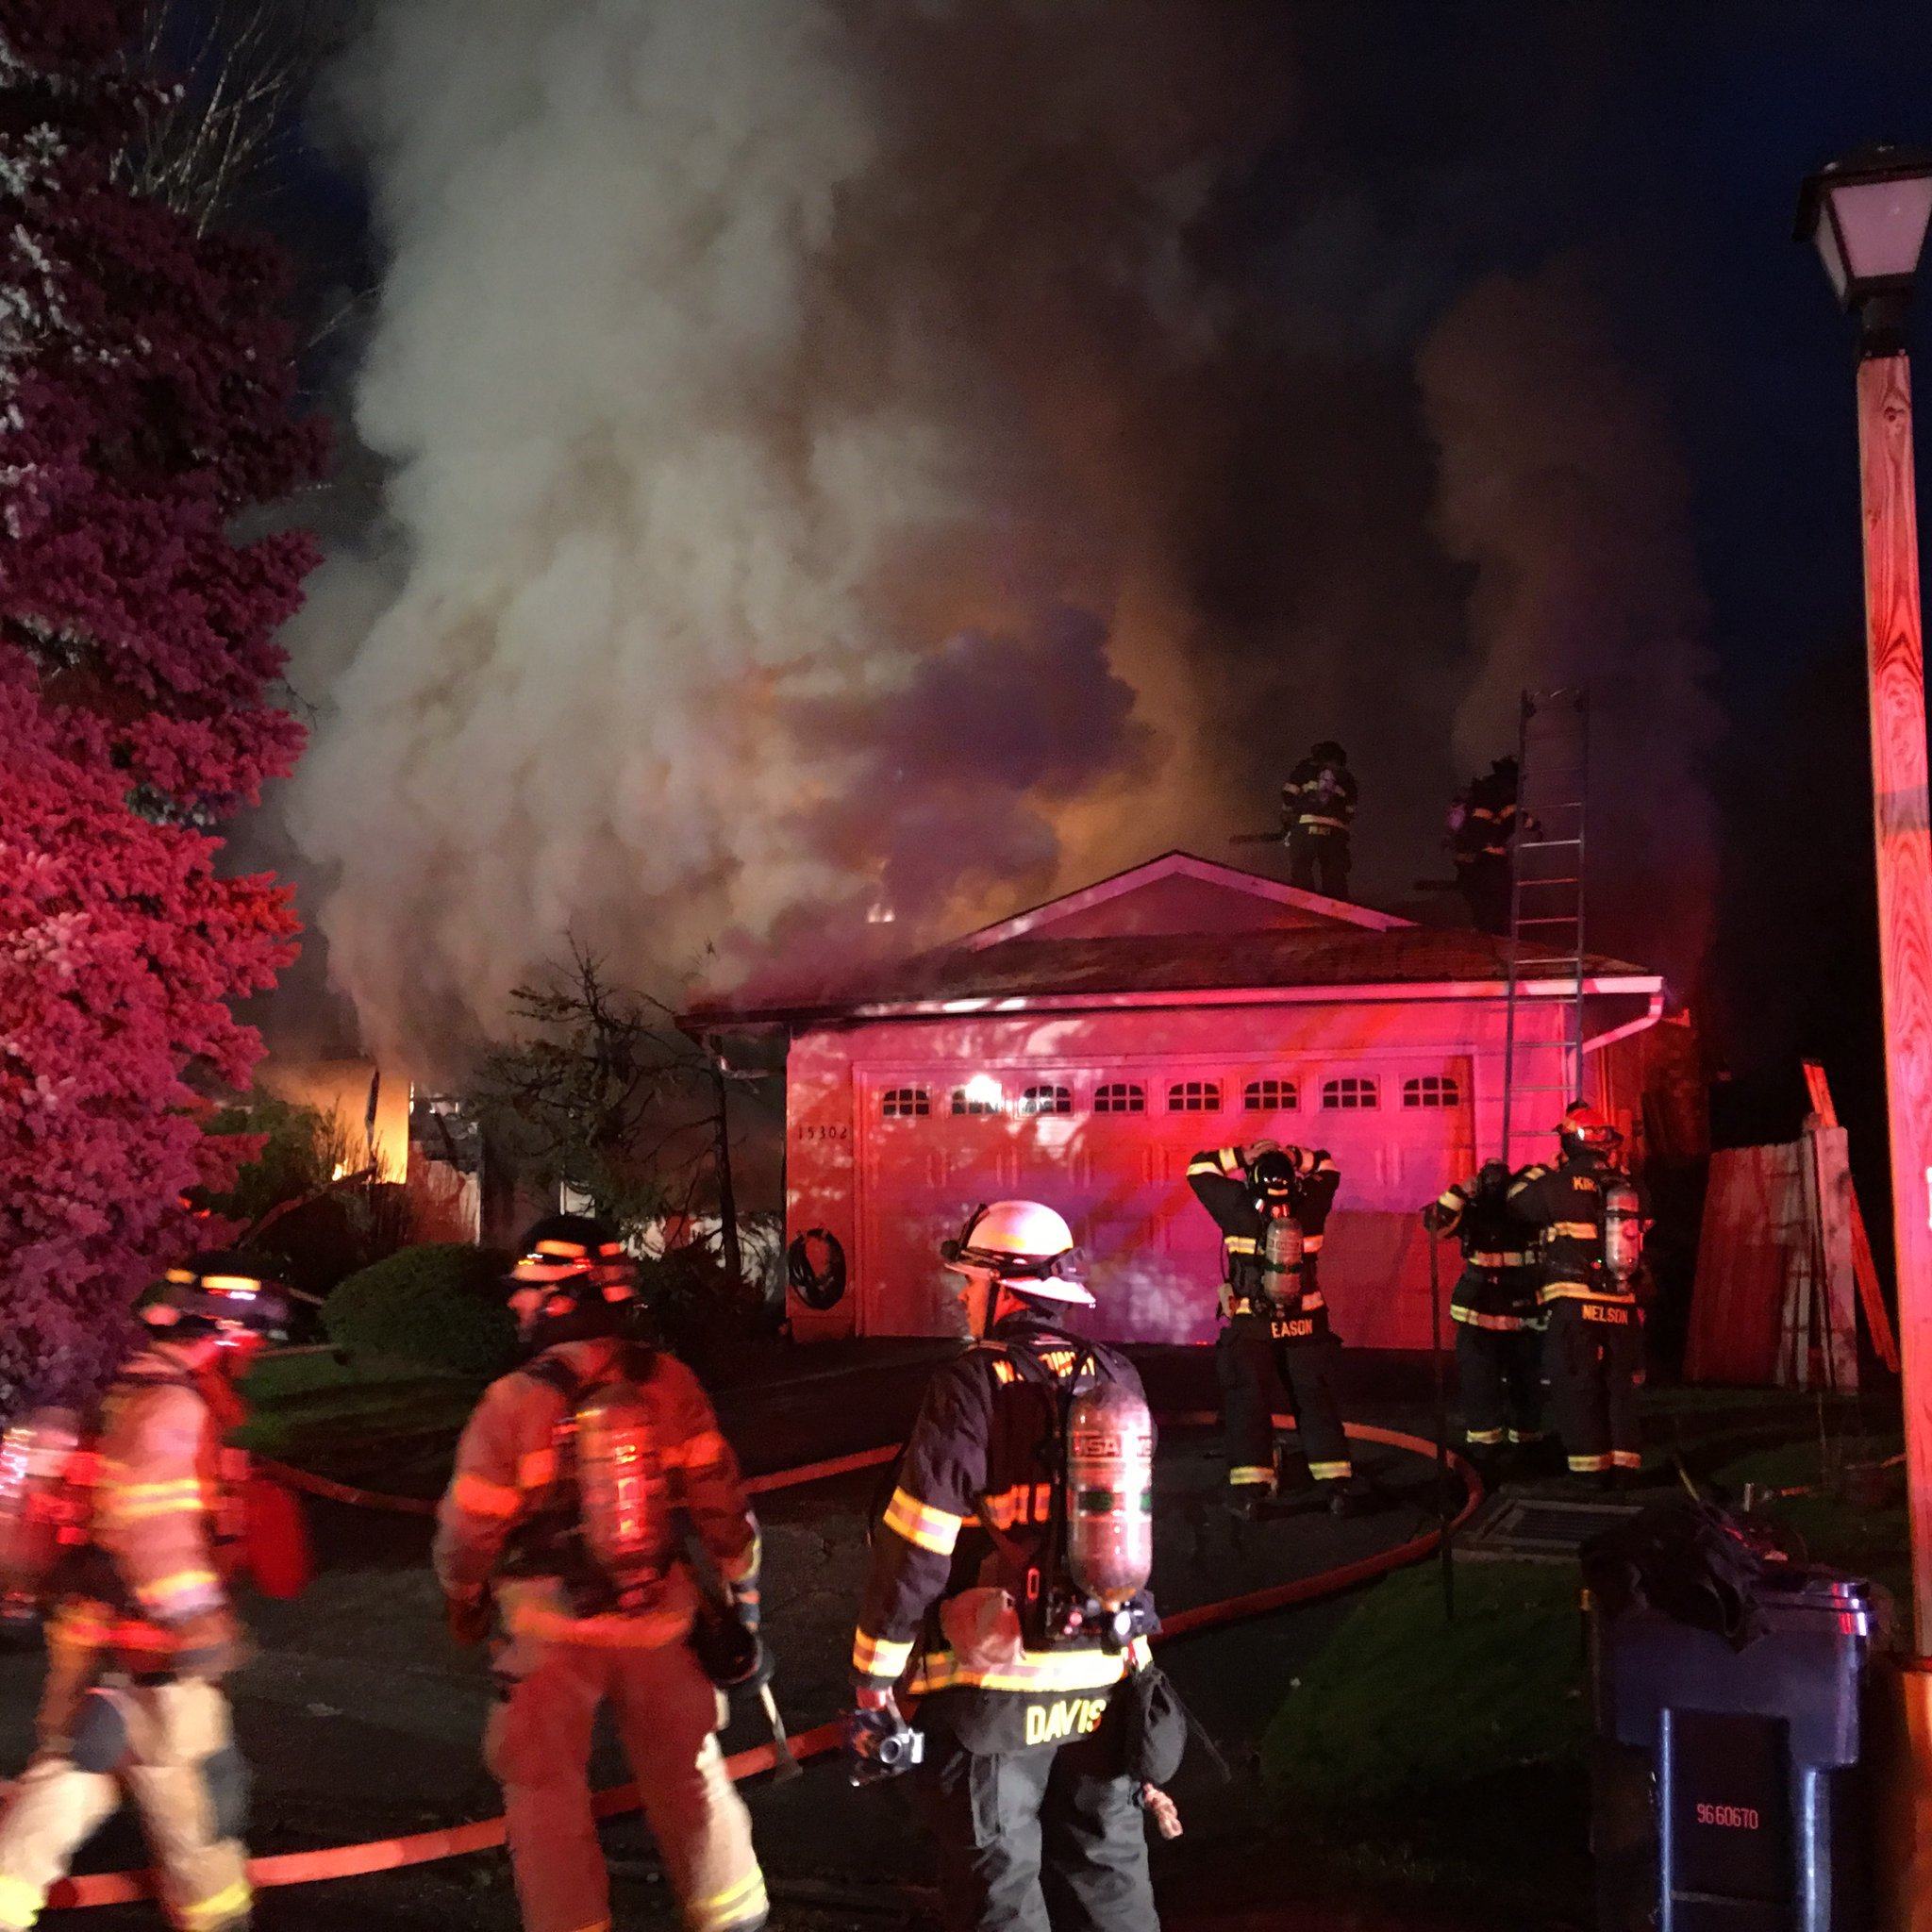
1726 1687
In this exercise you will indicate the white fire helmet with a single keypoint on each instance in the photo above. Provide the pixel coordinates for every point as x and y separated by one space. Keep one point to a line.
1027 1244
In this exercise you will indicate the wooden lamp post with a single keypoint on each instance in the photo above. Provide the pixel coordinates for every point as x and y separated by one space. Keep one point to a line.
1867 216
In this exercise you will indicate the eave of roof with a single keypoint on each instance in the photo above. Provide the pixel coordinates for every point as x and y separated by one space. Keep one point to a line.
1150 971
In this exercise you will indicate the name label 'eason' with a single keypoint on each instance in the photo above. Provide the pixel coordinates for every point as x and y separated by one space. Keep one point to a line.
1732 1817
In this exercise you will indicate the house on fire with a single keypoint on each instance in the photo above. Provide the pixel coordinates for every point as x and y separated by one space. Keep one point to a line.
1079 1053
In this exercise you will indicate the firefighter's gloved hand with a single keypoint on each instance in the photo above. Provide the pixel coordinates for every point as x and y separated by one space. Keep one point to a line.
1254 1149
468 1617
209 1647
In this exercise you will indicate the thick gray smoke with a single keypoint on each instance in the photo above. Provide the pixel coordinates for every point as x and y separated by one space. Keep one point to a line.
775 392
1560 484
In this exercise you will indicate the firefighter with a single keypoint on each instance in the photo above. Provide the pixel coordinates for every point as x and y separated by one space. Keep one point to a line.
1277 1334
1484 842
1593 1346
1499 1333
1317 810
1027 1799
139 1631
591 1589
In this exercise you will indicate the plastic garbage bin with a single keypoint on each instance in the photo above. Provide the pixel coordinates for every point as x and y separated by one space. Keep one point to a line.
1726 1769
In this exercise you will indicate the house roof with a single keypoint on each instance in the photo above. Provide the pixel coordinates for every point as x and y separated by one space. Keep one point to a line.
1228 880
1011 975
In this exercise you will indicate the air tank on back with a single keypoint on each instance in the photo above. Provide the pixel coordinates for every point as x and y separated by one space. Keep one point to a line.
1110 1492
623 1489
1623 1230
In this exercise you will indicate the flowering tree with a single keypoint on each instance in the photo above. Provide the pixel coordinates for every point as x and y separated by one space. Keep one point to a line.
146 405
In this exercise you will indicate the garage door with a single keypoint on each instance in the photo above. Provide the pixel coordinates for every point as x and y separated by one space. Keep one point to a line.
1109 1147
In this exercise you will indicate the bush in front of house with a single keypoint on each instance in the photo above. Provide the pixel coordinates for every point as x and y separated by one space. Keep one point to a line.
442 1305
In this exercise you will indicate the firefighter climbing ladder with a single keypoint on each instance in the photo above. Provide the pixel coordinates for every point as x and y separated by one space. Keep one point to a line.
1546 900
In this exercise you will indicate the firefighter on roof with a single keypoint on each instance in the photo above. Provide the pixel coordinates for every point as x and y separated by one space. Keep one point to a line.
570 1480
1272 1204
1317 812
1588 1220
140 1632
1499 1334
986 1596
1484 842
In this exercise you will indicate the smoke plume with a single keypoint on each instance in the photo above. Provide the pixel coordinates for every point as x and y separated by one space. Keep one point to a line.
1561 486
780 398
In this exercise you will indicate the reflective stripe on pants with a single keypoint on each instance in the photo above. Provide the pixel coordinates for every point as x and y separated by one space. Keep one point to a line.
538 1745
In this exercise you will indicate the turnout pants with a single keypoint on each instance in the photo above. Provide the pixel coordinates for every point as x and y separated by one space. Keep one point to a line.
1318 860
165 1743
1593 1361
1260 1373
1501 1372
1028 1841
537 1746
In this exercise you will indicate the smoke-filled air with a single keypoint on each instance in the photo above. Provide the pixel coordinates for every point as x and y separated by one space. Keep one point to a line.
820 439
1561 487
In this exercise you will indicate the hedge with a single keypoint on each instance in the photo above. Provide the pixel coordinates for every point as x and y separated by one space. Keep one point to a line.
442 1305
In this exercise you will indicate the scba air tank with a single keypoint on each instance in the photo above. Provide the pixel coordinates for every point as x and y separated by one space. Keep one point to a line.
1111 1494
622 1486
1623 1230
1283 1247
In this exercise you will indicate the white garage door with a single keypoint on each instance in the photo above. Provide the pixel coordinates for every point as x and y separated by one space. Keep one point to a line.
1110 1146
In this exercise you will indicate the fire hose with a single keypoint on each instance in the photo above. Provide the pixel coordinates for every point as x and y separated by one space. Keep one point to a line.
425 1847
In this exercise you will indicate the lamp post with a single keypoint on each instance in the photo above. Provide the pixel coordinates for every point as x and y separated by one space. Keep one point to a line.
1867 216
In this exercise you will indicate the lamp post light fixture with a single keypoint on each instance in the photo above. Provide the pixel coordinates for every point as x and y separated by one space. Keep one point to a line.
1867 215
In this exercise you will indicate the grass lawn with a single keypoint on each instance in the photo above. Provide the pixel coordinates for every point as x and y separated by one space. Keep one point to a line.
1422 1759
386 1425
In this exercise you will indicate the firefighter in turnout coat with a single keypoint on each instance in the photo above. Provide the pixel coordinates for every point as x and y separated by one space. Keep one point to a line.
1499 1331
1277 1338
140 1632
1037 1820
1594 1349
595 1603
1317 817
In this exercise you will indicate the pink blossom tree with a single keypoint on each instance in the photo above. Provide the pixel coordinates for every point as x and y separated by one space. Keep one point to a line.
147 415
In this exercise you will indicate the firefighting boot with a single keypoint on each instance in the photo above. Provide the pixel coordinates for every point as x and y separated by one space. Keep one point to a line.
1249 1501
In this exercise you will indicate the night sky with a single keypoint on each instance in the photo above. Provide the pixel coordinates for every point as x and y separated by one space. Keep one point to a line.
1423 146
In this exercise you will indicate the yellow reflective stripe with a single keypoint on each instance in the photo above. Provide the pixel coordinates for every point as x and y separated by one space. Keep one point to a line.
1484 1438
876 1656
1582 1291
1483 1257
20 1903
1502 1325
1238 1244
732 1906
1575 1230
1452 1198
918 1522
1072 1670
182 1582
1211 1164
1588 1465
1316 818
696 1452
1246 1474
229 1902
1331 1472
477 1495
538 1469
122 1503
